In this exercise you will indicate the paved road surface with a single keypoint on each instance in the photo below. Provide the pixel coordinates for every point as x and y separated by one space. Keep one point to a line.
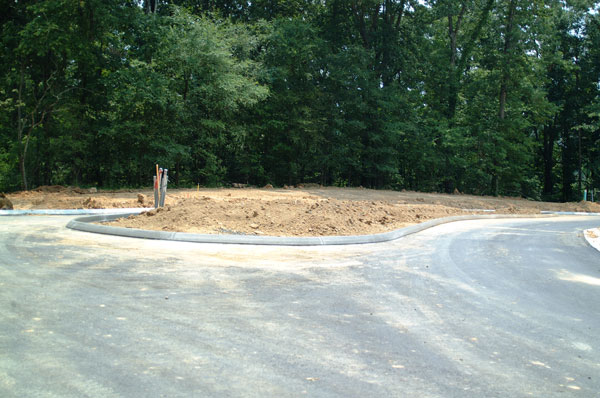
494 308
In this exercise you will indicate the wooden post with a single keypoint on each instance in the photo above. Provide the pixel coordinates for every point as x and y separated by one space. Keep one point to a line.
163 187
157 188
155 192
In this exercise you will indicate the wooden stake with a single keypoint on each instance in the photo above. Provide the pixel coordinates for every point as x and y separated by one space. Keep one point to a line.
157 187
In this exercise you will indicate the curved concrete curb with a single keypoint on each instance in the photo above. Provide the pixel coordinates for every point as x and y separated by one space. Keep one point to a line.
85 224
72 212
570 213
593 237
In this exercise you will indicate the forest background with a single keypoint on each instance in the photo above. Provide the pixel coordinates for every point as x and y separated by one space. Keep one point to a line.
497 97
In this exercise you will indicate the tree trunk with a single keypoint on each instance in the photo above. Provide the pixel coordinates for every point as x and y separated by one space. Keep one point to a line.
20 129
458 64
568 166
454 75
504 85
495 185
548 158
508 43
23 172
579 162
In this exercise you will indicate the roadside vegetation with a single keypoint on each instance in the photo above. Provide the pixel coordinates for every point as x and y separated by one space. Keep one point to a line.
485 97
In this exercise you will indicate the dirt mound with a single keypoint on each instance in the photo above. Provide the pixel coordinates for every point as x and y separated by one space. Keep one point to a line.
51 188
59 197
5 203
308 211
587 207
310 216
90 203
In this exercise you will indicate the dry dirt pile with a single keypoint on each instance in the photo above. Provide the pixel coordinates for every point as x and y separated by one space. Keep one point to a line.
309 216
283 212
59 197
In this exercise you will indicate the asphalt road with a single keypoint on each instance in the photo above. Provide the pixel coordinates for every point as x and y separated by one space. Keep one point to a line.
486 308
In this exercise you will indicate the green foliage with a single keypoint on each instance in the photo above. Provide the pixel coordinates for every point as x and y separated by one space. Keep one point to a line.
487 97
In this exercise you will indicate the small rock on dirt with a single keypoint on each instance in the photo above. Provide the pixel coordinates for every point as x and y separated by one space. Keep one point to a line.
268 186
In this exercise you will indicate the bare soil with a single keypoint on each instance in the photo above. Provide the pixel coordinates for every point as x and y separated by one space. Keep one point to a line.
304 211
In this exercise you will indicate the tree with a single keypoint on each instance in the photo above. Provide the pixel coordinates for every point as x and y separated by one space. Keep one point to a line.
456 30
481 96
192 86
39 38
572 75
291 123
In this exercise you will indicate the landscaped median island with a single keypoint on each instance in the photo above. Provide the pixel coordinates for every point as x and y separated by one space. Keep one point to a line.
303 211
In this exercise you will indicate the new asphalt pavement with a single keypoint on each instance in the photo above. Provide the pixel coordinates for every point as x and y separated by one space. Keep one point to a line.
481 308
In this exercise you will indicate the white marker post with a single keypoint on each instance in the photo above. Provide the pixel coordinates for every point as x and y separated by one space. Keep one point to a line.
163 187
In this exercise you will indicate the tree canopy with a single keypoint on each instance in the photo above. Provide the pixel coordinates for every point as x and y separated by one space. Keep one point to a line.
496 97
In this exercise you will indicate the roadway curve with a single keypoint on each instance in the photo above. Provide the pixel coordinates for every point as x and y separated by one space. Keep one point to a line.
485 308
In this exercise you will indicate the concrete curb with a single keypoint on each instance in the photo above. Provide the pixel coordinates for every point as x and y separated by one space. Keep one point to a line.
72 212
570 213
594 242
85 224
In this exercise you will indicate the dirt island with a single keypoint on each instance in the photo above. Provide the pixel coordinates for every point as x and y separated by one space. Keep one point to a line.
300 211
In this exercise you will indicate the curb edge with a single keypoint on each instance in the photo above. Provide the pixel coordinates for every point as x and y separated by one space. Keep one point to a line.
85 224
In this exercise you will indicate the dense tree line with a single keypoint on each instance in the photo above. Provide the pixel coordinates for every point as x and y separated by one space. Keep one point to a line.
494 97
